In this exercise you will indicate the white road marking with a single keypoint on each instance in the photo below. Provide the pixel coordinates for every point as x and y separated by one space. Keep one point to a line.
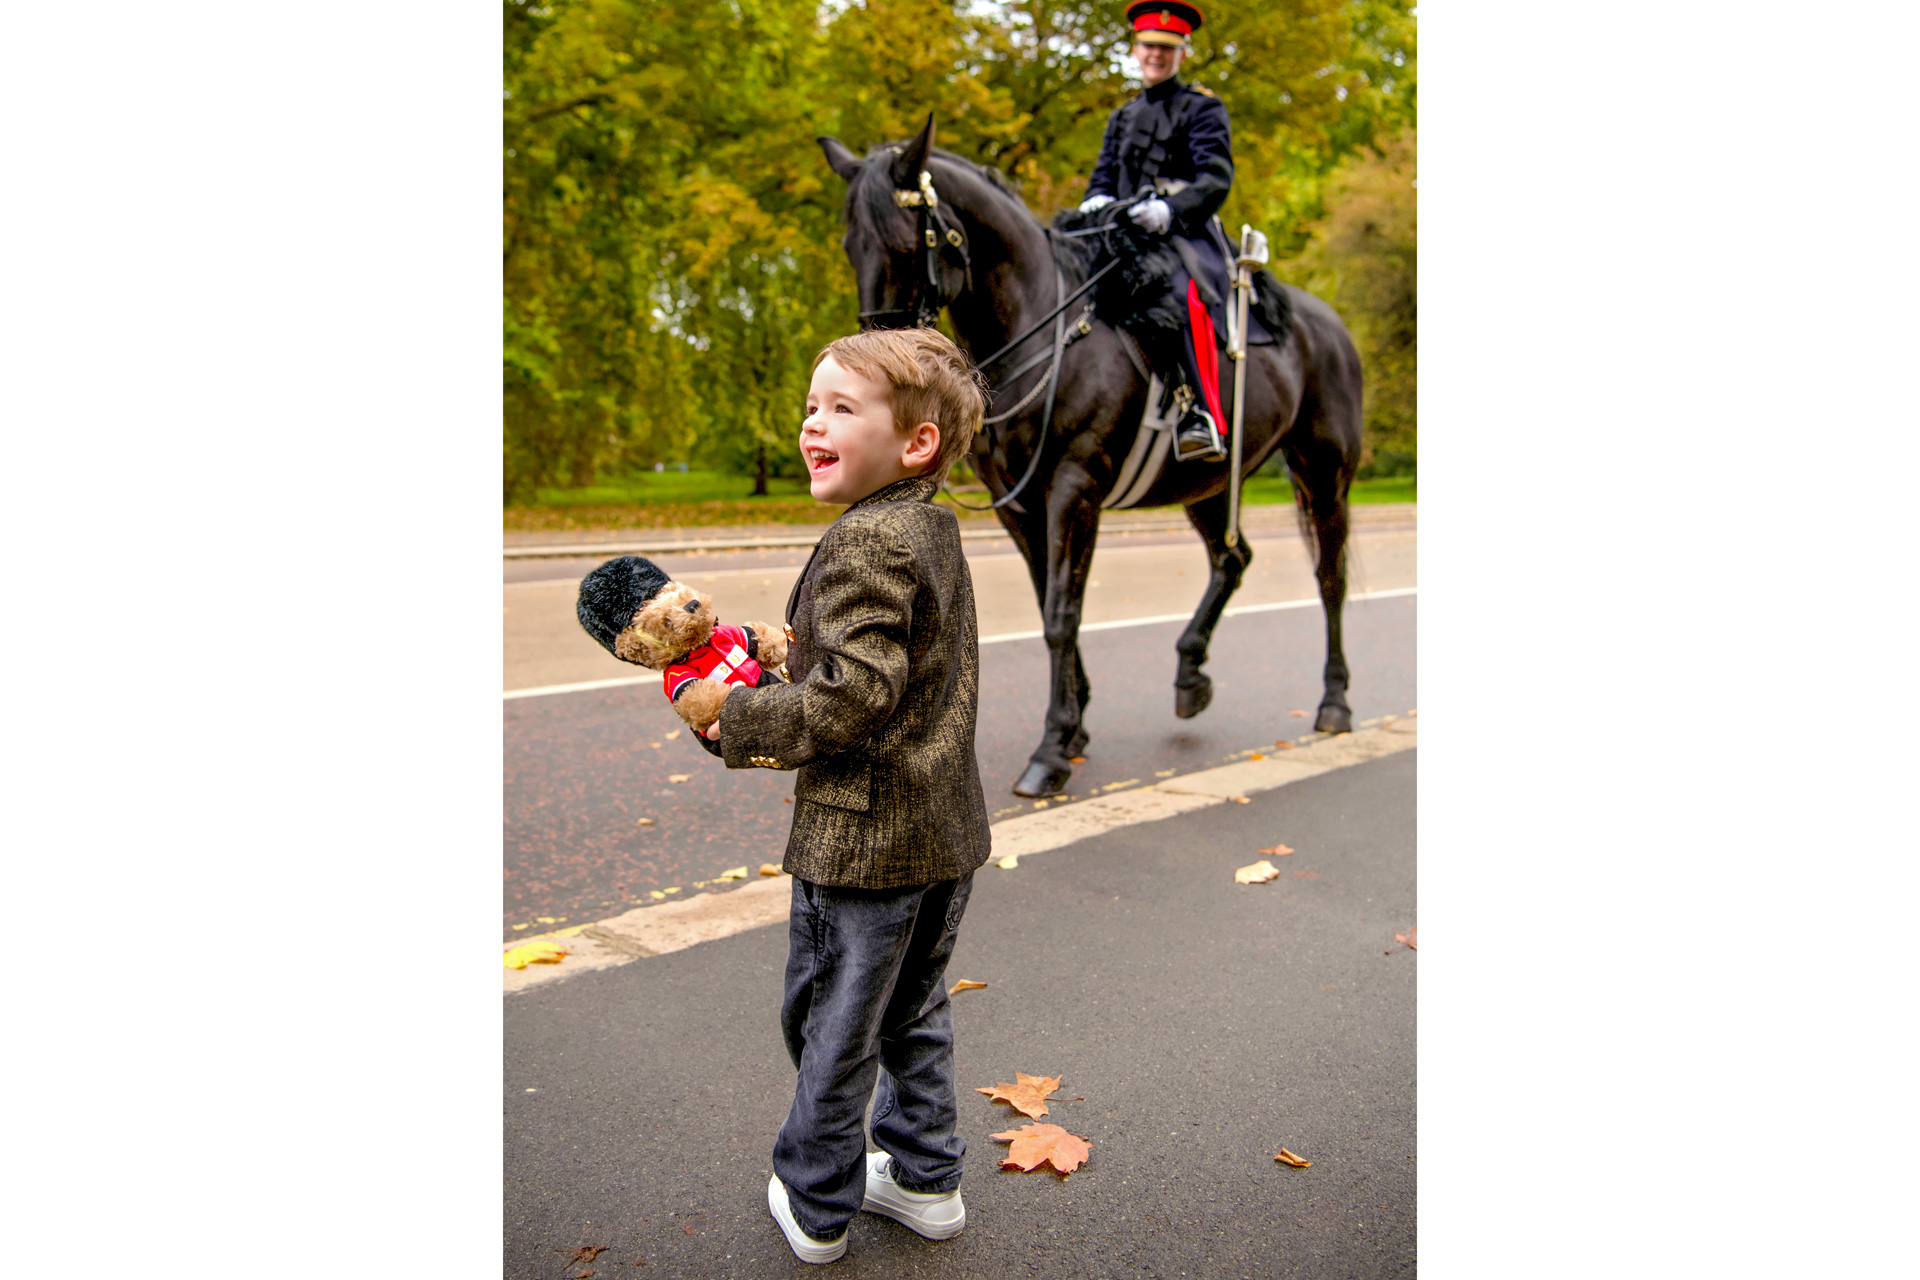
653 677
1312 602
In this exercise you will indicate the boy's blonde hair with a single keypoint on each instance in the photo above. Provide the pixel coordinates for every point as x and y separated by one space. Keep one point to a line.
928 379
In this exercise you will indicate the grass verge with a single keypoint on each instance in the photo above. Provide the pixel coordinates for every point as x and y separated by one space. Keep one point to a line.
677 500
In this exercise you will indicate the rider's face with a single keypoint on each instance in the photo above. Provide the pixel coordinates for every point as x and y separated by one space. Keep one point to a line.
1157 61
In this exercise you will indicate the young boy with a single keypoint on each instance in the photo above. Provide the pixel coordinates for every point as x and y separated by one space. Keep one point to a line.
889 822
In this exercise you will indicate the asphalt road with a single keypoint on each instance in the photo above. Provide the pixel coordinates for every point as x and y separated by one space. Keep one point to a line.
583 768
1198 1027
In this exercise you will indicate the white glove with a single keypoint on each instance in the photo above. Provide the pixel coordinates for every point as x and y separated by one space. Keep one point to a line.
1152 214
1093 203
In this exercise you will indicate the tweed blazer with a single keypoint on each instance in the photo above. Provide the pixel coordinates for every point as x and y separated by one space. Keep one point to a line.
879 719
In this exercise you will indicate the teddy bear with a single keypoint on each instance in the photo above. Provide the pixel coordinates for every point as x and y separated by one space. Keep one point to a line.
640 615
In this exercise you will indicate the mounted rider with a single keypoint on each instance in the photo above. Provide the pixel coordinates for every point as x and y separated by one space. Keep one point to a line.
1174 141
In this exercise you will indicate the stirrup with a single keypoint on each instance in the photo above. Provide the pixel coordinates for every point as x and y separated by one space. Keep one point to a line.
1197 439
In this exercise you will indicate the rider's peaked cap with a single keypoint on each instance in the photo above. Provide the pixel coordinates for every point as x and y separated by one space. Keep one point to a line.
613 593
1163 21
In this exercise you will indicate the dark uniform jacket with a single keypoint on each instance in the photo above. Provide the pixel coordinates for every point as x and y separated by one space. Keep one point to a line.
879 719
1172 131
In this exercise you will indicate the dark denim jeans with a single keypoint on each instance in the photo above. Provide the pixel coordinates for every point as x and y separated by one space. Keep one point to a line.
866 996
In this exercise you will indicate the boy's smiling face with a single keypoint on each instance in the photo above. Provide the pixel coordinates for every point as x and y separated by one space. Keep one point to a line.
849 442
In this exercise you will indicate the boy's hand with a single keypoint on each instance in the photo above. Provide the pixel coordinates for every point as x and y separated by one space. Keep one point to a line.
713 732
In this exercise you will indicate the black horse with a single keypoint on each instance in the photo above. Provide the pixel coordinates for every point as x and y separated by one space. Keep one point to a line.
998 271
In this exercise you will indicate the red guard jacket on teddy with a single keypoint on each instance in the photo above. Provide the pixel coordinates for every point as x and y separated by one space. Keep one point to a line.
723 658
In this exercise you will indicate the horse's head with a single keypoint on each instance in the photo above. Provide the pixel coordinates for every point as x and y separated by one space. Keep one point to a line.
909 251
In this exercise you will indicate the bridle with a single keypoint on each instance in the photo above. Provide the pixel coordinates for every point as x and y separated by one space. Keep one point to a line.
931 227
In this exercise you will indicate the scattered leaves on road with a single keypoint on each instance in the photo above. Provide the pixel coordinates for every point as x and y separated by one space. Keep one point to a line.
676 733
1258 755
1277 851
1287 1157
1406 940
1239 799
769 868
1076 759
644 822
678 777
734 873
1300 714
1306 875
1038 1144
1284 745
533 953
967 985
1027 1096
583 1255
1257 873
1009 862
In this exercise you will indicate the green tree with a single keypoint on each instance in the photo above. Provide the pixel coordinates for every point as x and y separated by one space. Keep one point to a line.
1363 259
671 233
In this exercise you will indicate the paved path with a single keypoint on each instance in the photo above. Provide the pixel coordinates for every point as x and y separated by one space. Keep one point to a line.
1199 1024
582 769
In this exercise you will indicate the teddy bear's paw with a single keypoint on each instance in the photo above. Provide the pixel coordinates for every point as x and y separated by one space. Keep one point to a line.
770 644
699 703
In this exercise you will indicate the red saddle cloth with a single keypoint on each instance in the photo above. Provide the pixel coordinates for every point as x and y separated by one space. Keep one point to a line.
722 658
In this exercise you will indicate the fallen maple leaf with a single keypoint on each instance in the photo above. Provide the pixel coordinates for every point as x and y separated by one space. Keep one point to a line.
734 873
1287 1157
1030 1092
533 953
1408 938
644 822
584 1254
1301 714
1038 1144
678 777
769 869
964 985
1278 851
1257 873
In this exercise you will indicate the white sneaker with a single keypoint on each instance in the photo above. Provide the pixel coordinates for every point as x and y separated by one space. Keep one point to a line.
804 1246
938 1215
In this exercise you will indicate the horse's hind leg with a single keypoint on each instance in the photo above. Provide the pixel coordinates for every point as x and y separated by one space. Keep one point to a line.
1192 690
1321 478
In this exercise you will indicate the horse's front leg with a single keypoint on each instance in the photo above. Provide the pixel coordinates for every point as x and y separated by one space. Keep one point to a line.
1072 525
1192 689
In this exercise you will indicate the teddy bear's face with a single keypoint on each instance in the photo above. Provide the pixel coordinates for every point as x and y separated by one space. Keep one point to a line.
676 620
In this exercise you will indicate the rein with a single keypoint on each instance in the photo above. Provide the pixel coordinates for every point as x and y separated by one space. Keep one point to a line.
930 227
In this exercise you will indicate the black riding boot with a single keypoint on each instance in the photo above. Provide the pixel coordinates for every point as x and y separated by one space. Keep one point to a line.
1197 438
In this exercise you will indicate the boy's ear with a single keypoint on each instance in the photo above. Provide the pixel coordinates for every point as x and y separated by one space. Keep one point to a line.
923 446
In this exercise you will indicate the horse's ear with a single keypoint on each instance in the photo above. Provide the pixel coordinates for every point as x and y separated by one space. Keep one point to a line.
842 161
913 158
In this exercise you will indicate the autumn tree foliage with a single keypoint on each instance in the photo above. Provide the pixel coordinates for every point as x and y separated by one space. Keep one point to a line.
671 237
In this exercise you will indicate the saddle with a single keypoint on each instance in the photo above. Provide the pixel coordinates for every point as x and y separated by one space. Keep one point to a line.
1146 295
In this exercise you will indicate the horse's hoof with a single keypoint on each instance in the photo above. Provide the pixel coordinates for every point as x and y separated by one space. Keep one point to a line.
1333 719
1189 700
1042 780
